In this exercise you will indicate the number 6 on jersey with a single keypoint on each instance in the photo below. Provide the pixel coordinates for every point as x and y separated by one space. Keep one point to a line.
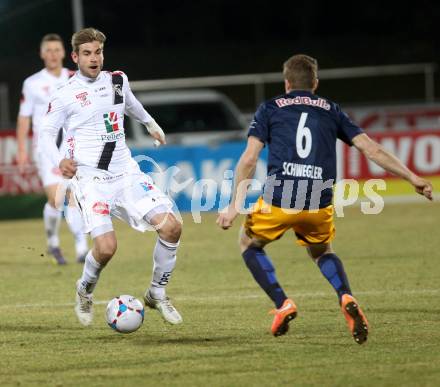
303 132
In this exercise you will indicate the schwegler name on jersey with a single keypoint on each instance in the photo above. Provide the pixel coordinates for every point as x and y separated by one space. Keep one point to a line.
301 130
92 114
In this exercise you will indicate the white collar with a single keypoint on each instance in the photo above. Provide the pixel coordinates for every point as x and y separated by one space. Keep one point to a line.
46 73
87 80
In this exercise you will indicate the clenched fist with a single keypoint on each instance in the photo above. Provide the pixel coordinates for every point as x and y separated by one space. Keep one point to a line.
68 168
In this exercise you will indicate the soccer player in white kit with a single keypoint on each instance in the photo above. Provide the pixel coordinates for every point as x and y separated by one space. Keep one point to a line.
33 106
105 179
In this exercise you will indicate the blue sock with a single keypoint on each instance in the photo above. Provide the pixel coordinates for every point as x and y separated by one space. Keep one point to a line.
263 271
333 269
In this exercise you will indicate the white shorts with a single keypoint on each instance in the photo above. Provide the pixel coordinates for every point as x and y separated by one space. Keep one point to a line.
49 173
131 196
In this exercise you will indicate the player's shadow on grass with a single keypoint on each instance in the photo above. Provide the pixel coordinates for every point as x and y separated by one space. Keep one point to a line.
192 340
337 342
39 329
427 310
148 339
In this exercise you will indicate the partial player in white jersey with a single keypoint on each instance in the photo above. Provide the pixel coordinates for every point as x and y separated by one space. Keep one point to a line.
105 179
36 93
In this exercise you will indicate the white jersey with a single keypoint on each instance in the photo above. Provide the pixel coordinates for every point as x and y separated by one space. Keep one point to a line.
92 113
35 96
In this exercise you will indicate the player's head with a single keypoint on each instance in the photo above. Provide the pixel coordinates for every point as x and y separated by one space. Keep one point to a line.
88 51
52 51
300 73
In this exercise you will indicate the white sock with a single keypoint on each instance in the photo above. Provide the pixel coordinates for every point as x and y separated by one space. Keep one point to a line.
52 218
76 226
164 261
91 271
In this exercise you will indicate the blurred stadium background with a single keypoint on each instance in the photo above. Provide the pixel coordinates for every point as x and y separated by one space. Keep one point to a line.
379 62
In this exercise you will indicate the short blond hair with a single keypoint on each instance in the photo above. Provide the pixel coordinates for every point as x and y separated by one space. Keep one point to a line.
51 38
86 35
301 71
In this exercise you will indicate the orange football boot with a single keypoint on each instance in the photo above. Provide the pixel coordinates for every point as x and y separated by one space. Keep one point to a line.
356 320
283 315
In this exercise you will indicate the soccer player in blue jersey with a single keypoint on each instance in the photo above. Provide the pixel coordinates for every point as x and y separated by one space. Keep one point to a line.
301 129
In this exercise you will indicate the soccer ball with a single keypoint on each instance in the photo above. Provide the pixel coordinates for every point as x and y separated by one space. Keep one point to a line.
125 314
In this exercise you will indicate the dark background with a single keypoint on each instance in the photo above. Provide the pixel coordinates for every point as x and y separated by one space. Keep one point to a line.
163 39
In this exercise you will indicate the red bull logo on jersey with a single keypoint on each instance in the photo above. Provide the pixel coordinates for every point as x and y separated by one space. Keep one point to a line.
111 122
320 102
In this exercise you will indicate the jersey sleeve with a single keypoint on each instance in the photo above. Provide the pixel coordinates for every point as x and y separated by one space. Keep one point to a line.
347 129
54 119
259 126
26 101
133 107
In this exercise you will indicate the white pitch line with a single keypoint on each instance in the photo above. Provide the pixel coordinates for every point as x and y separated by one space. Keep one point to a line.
241 297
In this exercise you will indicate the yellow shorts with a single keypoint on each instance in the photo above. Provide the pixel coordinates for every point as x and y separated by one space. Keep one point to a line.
268 222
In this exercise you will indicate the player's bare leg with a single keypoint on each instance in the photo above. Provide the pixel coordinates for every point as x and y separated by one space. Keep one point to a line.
263 271
169 230
332 269
104 247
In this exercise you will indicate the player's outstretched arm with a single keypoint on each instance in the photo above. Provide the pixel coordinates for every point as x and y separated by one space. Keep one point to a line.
375 152
243 172
134 109
156 132
23 127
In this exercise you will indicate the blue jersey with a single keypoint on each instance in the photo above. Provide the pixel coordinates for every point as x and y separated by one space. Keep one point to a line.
301 130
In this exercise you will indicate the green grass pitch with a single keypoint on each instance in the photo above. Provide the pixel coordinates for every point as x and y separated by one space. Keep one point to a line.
392 260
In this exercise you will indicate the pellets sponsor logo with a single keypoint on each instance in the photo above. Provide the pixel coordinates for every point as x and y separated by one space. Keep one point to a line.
111 122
